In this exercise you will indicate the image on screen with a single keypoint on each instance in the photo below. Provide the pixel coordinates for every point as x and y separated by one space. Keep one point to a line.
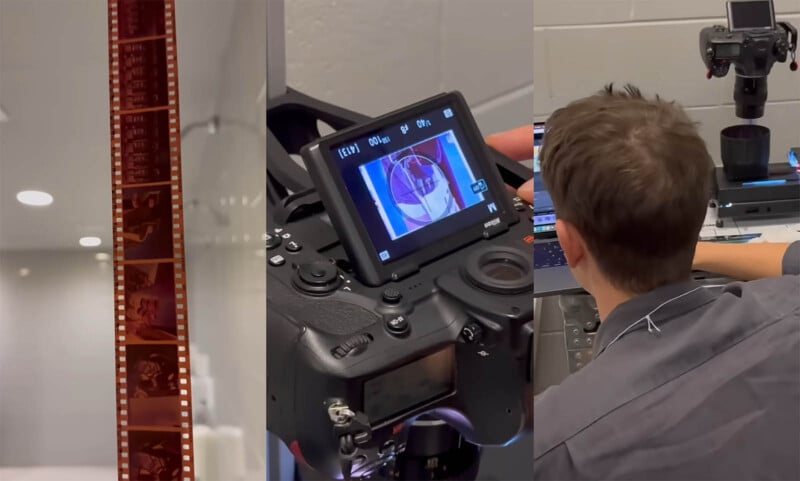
422 184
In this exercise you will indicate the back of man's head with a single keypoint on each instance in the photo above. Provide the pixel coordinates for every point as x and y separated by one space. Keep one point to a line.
632 175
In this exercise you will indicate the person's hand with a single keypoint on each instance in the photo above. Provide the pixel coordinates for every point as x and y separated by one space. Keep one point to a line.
516 144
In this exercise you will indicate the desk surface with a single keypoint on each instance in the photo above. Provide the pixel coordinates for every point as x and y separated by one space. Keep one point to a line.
771 230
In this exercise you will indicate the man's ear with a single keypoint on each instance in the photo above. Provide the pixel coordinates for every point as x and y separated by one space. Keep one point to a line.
571 243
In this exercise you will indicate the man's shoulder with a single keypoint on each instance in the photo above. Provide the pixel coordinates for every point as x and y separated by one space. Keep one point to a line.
563 410
767 299
741 310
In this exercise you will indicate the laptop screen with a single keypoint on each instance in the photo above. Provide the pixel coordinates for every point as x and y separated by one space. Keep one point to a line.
544 217
538 135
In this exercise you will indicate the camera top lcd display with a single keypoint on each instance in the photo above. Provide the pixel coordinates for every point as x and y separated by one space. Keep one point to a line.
414 182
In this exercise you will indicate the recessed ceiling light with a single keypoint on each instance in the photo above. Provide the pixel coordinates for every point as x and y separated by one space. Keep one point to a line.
102 256
35 198
24 272
90 241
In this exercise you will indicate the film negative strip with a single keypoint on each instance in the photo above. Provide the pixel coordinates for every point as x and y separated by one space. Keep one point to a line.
154 422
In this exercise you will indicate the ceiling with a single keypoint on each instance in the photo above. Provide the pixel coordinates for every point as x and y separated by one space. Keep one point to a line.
54 90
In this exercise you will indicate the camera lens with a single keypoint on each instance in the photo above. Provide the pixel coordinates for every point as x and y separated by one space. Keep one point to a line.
500 270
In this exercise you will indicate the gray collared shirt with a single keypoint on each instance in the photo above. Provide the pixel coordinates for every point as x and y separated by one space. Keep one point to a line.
712 393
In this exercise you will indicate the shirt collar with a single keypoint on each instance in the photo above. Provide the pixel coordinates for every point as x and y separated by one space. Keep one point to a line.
680 298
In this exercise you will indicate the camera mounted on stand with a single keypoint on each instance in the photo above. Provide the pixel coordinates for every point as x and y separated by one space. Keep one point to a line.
399 290
753 42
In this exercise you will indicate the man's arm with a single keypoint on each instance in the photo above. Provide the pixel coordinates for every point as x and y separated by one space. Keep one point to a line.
748 261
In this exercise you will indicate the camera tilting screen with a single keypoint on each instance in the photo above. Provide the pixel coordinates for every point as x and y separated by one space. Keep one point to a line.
745 15
410 386
414 183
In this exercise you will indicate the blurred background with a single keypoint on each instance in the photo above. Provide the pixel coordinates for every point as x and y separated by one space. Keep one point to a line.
57 380
378 55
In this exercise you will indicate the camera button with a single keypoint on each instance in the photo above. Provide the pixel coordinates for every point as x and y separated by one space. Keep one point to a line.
472 332
397 325
276 261
273 241
391 295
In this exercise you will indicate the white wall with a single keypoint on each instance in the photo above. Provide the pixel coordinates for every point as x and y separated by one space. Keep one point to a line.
225 276
57 396
227 312
580 45
377 55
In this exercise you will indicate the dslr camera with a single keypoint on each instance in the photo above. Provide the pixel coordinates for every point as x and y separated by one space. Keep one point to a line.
399 290
752 42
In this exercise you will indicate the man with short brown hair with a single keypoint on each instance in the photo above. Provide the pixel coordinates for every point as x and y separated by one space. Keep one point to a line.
687 382
633 177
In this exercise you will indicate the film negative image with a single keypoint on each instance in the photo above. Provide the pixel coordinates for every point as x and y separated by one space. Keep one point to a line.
153 385
143 74
145 147
422 184
146 223
155 456
141 19
150 302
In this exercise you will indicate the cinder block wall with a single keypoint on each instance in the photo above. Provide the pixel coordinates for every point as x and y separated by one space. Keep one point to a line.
377 55
580 45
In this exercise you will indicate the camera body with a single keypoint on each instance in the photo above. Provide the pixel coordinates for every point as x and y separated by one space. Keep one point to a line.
752 42
361 345
753 53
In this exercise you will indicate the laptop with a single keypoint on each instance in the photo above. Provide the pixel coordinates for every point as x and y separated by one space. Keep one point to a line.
551 274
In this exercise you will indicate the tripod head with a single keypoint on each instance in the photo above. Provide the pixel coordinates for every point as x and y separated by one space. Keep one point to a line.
399 286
